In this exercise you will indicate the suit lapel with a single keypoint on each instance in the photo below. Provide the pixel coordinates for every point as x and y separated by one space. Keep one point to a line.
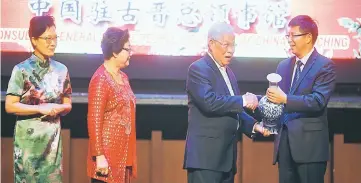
305 70
213 65
233 80
288 75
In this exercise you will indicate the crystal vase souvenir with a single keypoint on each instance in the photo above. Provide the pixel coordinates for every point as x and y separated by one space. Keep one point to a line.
270 111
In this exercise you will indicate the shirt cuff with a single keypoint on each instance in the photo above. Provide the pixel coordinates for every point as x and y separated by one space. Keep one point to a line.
244 101
254 127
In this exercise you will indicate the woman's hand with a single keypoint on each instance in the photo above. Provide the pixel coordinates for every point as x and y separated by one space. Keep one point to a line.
49 109
102 165
46 109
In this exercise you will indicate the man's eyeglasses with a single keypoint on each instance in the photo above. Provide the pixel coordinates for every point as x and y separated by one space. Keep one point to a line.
292 36
226 45
49 39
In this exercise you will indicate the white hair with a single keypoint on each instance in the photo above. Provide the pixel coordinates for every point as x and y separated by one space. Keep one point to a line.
219 29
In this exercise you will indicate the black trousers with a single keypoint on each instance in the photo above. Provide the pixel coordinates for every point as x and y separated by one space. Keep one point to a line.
209 176
292 172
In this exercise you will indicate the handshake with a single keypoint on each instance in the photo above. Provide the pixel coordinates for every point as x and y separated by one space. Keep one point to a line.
274 95
250 101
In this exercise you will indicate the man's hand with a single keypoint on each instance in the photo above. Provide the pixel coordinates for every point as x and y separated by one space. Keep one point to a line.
276 95
265 132
251 101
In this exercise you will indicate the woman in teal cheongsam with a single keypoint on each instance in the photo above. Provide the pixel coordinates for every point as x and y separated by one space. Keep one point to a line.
39 92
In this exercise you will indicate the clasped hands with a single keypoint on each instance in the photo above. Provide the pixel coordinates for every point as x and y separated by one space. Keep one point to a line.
50 109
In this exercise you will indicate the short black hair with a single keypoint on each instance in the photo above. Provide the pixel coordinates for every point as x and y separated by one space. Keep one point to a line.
306 24
113 41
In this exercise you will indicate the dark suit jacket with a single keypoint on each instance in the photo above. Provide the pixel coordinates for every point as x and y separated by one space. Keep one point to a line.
213 116
307 108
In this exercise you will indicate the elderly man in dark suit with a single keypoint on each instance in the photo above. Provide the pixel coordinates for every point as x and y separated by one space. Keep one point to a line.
216 112
302 146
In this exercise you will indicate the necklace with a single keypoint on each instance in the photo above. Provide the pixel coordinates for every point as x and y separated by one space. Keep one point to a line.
115 75
111 70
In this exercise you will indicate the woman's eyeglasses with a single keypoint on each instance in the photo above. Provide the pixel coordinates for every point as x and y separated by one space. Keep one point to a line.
49 39
127 49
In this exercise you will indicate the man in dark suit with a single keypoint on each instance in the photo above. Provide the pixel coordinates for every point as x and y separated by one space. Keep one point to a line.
302 146
216 112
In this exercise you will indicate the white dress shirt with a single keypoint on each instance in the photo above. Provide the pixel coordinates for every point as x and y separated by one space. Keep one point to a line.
304 61
223 71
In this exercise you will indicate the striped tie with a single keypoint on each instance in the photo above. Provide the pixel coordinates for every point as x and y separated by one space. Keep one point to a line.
287 116
297 73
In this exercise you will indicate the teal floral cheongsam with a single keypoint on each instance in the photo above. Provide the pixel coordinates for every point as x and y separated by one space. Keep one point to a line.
37 140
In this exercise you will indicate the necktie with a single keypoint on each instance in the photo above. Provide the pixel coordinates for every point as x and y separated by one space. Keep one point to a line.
287 116
297 73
